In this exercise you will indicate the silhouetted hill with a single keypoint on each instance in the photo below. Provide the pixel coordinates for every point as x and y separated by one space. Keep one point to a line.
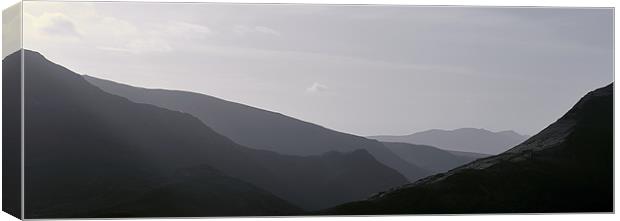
428 157
258 128
87 150
567 167
463 139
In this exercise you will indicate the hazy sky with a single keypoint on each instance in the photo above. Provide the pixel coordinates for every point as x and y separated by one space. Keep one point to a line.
365 70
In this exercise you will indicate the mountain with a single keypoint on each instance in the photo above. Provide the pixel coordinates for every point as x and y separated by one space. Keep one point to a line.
567 167
260 129
463 139
428 157
89 153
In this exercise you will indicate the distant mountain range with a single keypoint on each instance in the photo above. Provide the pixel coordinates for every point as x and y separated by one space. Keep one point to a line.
261 129
267 130
93 154
567 167
463 139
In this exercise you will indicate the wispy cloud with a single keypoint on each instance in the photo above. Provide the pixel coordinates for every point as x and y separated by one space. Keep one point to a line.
138 46
188 29
317 87
56 24
247 30
269 31
82 24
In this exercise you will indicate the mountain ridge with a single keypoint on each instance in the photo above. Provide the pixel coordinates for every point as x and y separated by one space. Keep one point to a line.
258 128
477 140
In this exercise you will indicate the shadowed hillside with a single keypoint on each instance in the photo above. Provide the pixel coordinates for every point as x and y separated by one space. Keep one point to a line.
567 167
428 157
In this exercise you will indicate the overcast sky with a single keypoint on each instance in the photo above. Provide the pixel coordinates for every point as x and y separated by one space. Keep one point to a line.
366 70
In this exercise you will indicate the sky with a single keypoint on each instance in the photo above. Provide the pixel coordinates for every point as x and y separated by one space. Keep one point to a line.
11 29
360 69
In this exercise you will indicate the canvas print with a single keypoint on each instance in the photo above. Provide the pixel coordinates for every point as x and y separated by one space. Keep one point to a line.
146 109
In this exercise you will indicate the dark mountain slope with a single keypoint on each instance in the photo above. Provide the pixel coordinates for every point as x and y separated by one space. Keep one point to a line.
463 139
428 157
11 135
258 128
331 177
567 167
88 150
197 191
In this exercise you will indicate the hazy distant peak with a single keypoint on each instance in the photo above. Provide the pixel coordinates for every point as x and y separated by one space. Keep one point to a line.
468 139
472 129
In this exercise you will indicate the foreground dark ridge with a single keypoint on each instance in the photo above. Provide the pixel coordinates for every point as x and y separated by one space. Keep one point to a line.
567 167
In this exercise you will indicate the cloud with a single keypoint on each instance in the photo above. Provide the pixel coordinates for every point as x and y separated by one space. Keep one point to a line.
317 88
268 31
189 27
82 25
187 30
114 49
111 28
11 25
164 37
139 46
114 34
56 24
247 30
